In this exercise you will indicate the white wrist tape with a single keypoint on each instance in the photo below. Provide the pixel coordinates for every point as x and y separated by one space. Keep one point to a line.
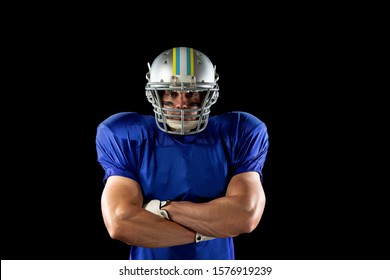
200 237
154 206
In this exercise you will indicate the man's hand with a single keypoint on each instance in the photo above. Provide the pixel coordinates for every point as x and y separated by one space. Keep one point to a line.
155 205
200 237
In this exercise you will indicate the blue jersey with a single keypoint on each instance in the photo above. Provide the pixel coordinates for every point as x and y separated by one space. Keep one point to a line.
194 167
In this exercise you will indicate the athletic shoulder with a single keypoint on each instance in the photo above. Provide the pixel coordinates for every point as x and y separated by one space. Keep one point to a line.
124 124
239 119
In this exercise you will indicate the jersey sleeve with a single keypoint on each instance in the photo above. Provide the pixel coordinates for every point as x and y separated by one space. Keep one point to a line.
252 145
116 153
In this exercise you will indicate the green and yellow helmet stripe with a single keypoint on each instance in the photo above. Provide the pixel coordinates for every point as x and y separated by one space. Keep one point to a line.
183 61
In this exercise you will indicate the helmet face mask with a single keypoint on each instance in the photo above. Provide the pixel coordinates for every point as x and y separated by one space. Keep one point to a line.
182 70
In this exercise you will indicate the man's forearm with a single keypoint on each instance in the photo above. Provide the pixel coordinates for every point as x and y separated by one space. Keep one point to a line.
149 230
221 217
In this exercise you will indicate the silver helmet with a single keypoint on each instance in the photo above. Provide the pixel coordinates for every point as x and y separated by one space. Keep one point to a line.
182 69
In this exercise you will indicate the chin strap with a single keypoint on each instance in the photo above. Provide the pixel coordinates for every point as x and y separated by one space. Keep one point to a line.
176 125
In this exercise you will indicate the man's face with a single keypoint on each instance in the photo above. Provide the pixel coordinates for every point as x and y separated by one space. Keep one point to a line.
182 100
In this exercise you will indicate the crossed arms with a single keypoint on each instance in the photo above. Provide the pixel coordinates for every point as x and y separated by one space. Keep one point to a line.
239 211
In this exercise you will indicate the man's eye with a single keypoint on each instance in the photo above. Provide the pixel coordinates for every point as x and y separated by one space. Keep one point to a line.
171 93
193 94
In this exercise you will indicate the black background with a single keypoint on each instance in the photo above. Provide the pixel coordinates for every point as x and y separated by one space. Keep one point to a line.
325 198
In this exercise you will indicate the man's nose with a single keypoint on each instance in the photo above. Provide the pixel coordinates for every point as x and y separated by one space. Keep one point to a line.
181 101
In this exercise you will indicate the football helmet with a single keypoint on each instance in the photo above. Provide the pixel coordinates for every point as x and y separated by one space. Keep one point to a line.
182 69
